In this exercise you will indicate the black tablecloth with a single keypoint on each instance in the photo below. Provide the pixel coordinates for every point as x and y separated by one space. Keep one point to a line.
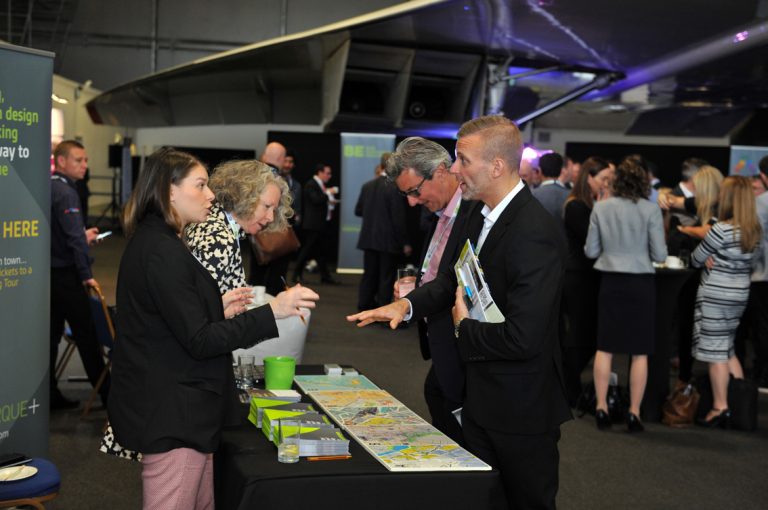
669 282
248 475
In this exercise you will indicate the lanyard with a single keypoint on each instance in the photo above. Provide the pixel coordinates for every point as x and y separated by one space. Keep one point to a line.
233 224
435 242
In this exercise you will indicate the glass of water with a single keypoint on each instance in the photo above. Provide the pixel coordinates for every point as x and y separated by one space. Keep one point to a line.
288 440
406 281
247 371
236 370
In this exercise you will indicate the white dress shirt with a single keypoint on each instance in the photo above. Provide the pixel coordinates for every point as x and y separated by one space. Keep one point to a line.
491 215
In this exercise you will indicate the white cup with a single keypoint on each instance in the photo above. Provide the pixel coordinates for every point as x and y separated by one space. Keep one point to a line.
674 262
259 292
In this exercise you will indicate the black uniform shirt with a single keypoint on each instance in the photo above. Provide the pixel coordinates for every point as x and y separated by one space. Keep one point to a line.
69 246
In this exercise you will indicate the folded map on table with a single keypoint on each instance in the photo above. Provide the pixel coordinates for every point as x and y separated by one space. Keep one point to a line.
309 383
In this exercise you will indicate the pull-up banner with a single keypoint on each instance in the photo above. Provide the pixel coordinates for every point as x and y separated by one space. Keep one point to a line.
360 154
25 162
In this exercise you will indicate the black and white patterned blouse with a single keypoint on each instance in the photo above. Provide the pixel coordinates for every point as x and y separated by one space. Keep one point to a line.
217 247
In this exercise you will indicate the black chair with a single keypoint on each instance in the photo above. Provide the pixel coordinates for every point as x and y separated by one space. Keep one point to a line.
105 332
61 364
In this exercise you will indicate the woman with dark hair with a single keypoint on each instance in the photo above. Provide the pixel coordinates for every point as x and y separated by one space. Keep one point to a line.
172 382
579 305
626 233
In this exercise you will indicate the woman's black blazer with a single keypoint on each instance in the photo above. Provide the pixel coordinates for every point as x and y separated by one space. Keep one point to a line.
172 380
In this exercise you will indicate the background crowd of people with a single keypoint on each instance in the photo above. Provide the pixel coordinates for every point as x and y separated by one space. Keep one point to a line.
554 235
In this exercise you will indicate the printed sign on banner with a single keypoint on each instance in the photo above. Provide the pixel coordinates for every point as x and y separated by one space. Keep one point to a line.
360 154
25 151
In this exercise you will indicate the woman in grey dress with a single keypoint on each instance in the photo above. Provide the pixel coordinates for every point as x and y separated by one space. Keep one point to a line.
724 290
625 235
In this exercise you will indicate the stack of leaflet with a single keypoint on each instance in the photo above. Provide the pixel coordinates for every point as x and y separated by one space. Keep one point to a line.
258 405
284 395
307 419
319 437
319 441
281 395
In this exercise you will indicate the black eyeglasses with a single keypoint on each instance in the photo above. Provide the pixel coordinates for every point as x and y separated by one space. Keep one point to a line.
415 192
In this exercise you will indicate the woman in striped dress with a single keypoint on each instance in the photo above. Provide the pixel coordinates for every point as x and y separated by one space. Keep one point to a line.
724 289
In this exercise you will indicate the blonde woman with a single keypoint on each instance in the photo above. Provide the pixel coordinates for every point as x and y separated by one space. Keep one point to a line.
724 289
682 239
249 199
707 184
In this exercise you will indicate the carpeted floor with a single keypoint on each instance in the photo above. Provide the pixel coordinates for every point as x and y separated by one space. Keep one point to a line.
660 469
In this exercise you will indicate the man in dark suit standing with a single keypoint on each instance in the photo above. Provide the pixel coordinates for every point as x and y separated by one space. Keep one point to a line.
319 201
382 238
515 399
420 169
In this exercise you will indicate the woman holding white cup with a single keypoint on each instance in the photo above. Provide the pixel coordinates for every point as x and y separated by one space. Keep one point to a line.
249 198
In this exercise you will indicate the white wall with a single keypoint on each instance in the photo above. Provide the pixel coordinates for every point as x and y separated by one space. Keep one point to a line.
238 136
96 138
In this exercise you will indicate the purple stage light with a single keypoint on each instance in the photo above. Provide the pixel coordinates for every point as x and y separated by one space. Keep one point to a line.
530 154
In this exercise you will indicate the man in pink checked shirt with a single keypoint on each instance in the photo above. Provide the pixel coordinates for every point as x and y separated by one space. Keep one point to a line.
419 168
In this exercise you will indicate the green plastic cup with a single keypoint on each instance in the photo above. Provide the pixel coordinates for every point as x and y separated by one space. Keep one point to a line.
278 372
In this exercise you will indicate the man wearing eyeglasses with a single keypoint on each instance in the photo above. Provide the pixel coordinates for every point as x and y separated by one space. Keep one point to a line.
514 401
420 167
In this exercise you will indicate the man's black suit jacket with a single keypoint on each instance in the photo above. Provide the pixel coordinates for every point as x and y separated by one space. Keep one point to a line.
315 204
436 337
514 378
383 211
172 380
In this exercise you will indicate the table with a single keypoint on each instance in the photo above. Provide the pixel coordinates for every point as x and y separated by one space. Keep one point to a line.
248 476
669 282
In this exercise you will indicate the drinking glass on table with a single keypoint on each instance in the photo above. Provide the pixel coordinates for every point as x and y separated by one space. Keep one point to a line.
247 371
406 281
236 371
685 258
288 440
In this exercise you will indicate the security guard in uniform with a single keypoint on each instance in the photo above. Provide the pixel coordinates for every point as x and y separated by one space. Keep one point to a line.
71 269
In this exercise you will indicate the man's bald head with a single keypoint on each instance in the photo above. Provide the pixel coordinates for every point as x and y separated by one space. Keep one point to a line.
274 154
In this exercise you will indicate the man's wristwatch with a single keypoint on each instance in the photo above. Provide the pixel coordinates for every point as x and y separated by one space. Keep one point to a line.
456 327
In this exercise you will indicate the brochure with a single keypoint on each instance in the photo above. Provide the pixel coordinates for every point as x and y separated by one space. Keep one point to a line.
477 294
